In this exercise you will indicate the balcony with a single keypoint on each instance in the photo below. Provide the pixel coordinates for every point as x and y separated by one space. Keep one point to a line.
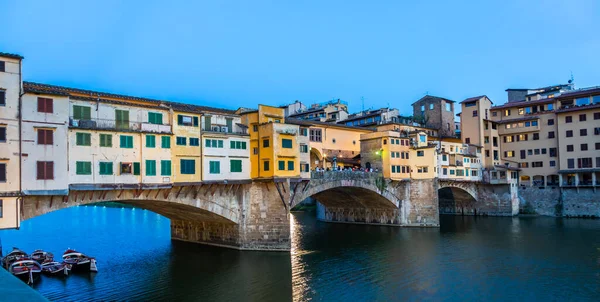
114 125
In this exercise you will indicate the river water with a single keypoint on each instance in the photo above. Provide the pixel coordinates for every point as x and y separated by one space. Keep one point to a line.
483 258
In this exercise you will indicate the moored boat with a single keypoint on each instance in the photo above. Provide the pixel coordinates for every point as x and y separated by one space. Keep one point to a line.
26 269
41 256
13 256
79 262
57 269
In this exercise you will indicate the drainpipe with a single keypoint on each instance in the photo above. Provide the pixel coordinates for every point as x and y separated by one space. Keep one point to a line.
20 116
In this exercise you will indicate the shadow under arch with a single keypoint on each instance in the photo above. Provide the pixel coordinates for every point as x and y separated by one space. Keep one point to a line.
35 206
456 201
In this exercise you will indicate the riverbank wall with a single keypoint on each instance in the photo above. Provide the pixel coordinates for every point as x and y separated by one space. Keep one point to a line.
560 202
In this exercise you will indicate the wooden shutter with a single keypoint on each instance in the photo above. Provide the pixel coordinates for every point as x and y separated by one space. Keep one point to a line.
229 124
207 123
179 119
195 121
41 104
40 170
49 137
49 170
49 106
2 172
41 137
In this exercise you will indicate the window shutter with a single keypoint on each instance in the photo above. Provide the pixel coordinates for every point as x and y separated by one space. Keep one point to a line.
40 170
179 119
136 168
41 104
195 121
229 125
2 172
207 123
49 106
41 137
49 137
49 170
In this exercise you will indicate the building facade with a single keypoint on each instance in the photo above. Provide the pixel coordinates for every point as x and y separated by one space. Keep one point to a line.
435 112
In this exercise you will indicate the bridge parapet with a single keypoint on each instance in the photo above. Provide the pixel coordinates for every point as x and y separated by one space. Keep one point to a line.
345 175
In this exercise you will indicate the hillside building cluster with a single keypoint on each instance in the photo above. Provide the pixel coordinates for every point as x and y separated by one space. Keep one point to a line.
55 140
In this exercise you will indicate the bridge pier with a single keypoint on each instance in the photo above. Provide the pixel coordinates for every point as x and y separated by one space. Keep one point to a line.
264 222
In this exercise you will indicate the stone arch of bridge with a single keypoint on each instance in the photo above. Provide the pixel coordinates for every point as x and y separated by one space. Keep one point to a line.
184 207
457 199
348 193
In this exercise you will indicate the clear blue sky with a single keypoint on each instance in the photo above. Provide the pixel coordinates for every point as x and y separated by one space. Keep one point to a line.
240 53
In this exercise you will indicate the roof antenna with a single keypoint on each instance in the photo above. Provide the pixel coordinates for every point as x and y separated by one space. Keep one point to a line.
362 98
572 80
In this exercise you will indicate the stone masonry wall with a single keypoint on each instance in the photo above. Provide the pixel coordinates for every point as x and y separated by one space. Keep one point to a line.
421 209
567 202
358 215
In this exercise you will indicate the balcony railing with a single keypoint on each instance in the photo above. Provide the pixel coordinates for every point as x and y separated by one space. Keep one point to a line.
107 124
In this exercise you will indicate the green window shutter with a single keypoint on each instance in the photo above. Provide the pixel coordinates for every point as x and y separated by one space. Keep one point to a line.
150 167
229 122
220 142
105 140
136 169
286 143
165 142
82 112
106 168
238 145
150 141
179 119
83 139
281 165
214 167
291 165
213 143
122 119
266 165
231 145
155 118
236 165
83 168
244 145
165 167
187 166
207 123
195 121
126 141
181 141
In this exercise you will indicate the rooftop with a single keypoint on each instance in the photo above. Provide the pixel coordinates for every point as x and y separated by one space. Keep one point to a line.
11 55
432 98
475 98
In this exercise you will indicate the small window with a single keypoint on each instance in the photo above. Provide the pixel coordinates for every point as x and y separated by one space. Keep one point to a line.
582 117
165 168
584 147
290 165
265 143
150 141
550 122
45 136
287 143
45 105
83 139
82 112
570 148
126 141
431 106
195 141
236 165
105 140
185 120
420 153
150 167
83 168
255 128
568 119
596 115
2 97
106 168
2 66
474 113
126 168
281 165
187 166
266 165
165 142
2 134
582 132
2 172
214 167
182 141
155 118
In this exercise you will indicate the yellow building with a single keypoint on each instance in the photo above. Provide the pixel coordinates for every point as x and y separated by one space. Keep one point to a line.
423 156
185 144
386 152
274 145
331 145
